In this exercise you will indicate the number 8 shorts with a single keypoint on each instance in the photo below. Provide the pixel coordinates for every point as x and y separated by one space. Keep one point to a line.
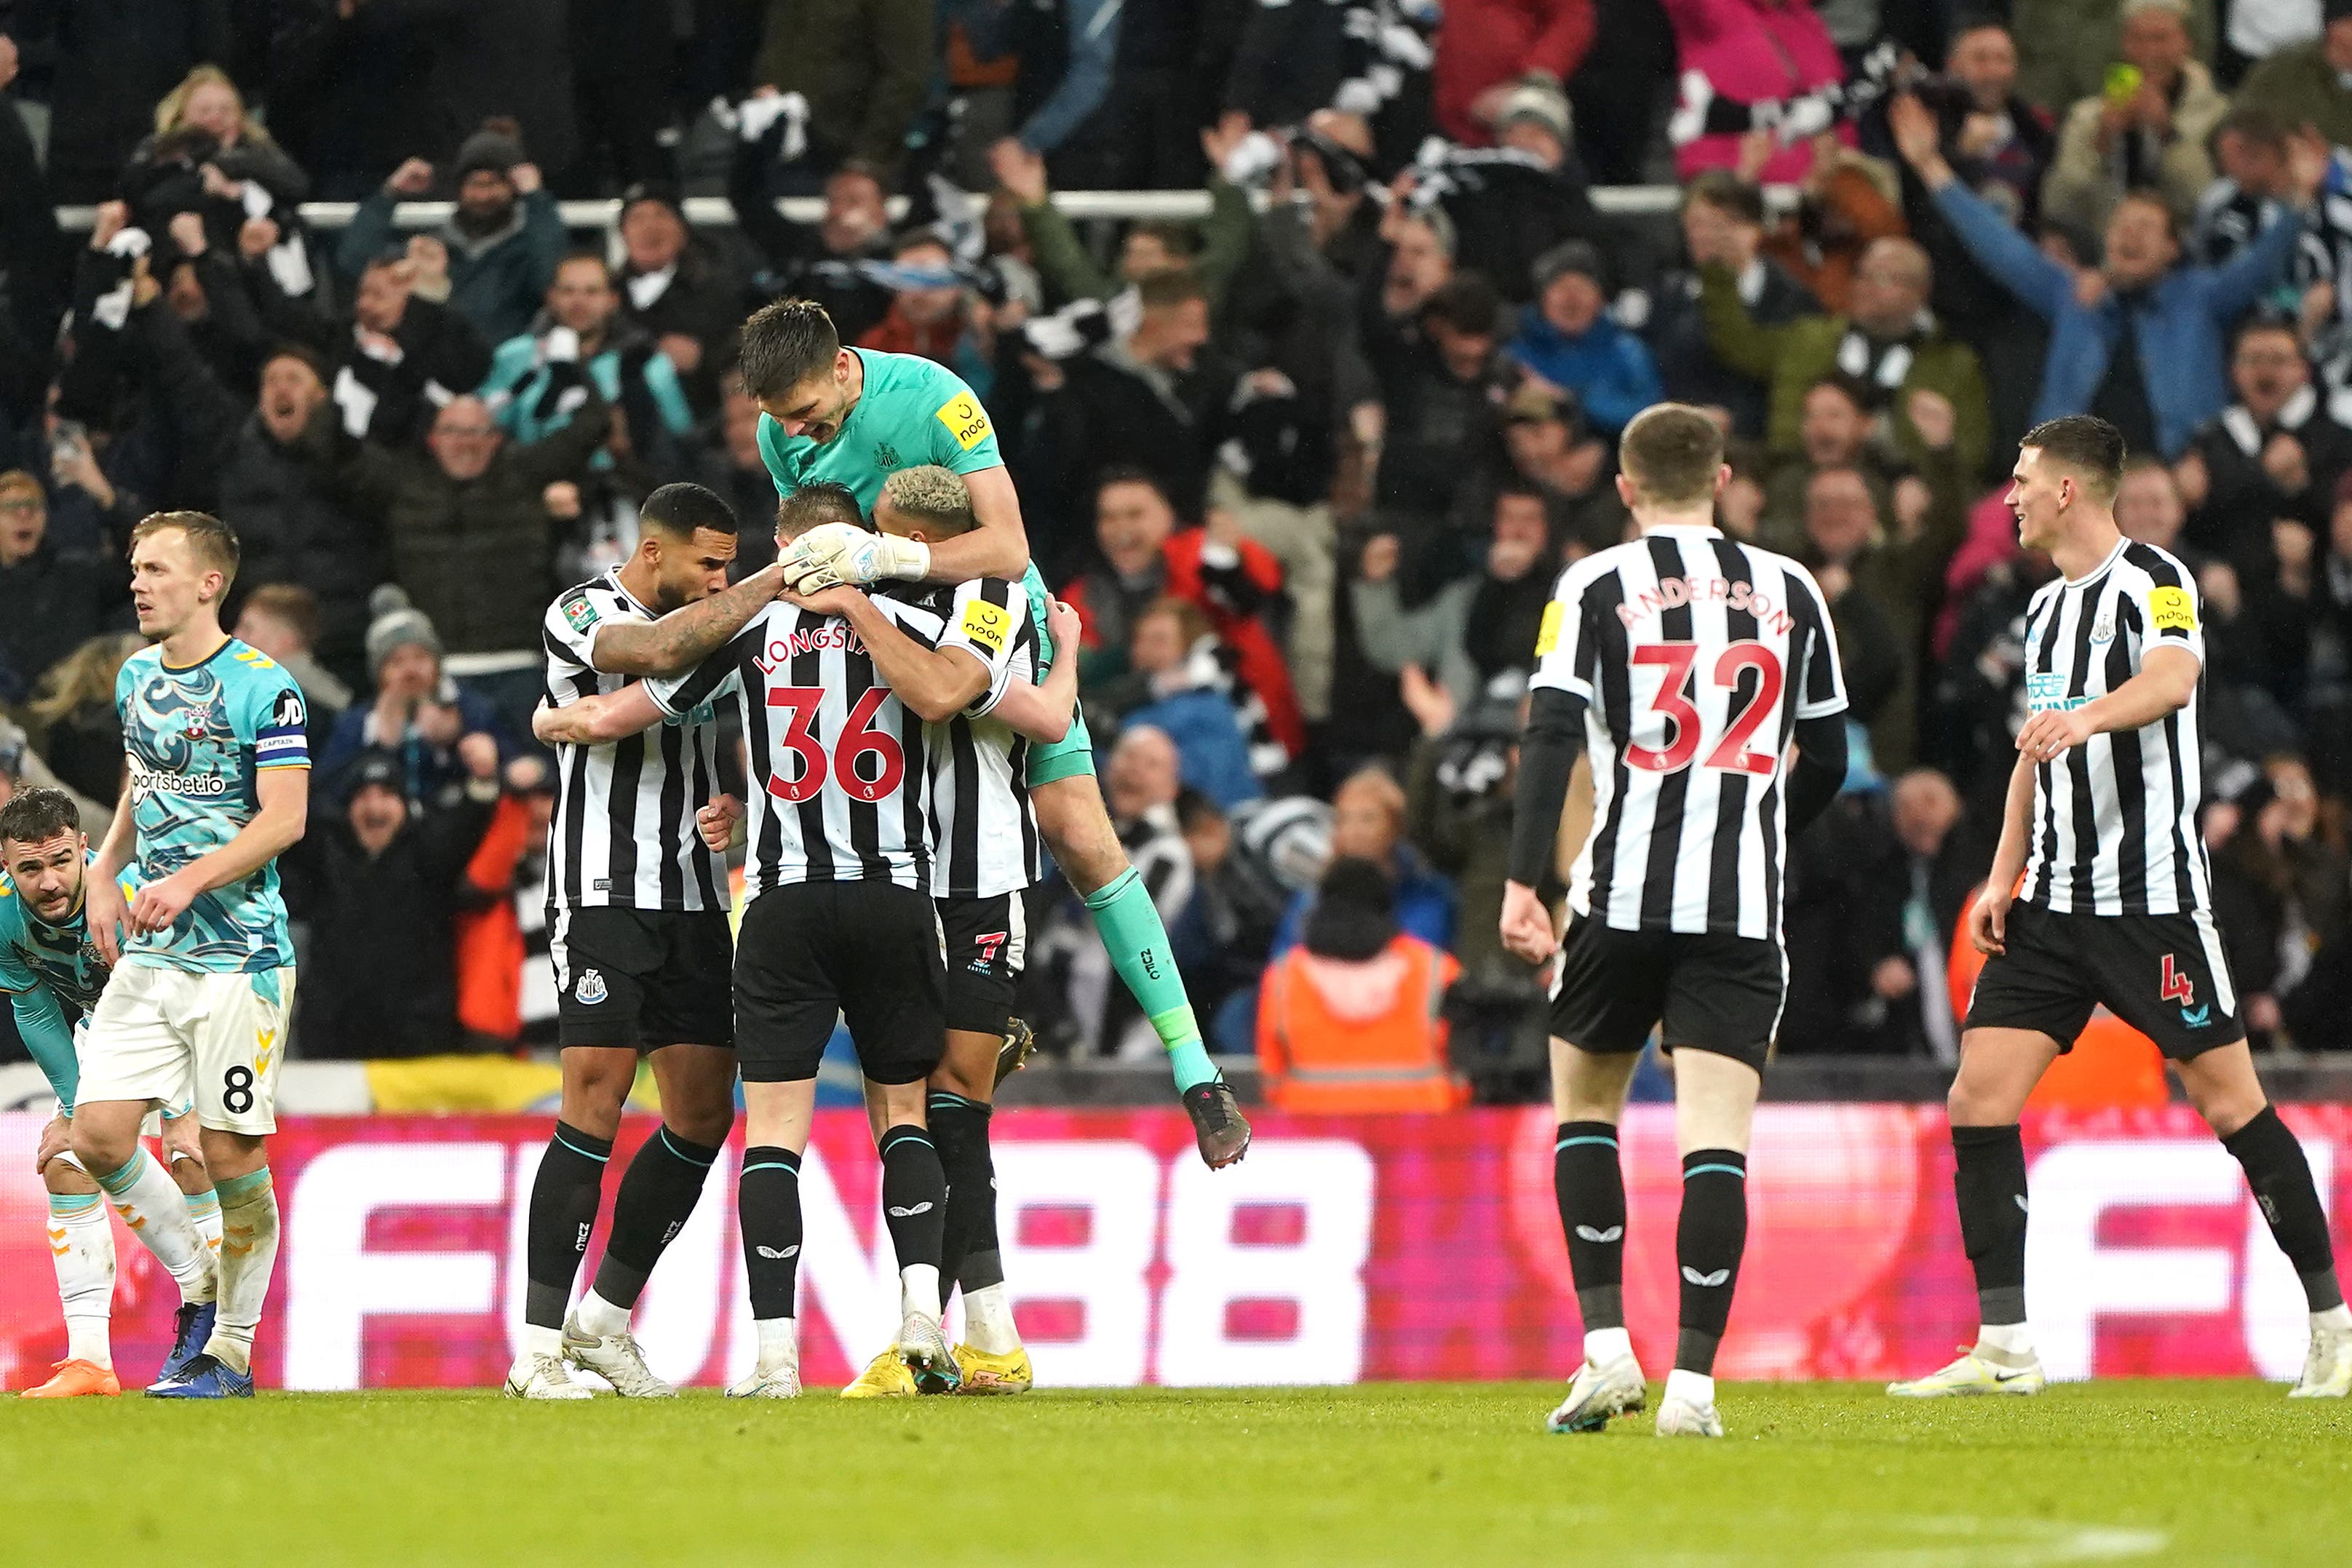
167 1035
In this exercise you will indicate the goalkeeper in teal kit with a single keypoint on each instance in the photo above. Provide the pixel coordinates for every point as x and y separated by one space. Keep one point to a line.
851 417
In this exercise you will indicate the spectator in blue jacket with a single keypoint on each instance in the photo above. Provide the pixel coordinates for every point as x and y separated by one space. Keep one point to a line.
1368 820
535 380
2143 341
1568 339
497 254
1173 662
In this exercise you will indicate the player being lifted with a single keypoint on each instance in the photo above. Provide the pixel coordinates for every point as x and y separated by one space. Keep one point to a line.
849 416
1681 663
53 975
2116 910
838 918
220 767
637 921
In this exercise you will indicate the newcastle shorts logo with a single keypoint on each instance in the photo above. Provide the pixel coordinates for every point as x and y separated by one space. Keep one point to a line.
591 988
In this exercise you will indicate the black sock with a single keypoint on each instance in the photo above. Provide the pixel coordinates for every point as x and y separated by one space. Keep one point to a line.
2283 1190
1590 1187
658 1191
1708 1239
914 1195
768 1200
1988 1179
959 1128
563 1203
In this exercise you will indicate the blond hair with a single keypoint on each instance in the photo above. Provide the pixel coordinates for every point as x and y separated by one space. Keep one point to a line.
172 109
81 678
16 479
931 493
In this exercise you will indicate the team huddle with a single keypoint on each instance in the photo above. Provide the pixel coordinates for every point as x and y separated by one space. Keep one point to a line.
909 712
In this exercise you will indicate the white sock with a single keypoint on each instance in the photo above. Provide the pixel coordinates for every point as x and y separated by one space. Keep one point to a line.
1692 1387
248 1255
2337 1317
156 1212
988 1320
81 1244
537 1341
2014 1341
780 1344
1602 1346
203 1213
600 1317
918 1290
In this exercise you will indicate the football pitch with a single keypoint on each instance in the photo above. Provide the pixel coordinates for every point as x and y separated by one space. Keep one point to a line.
1424 1474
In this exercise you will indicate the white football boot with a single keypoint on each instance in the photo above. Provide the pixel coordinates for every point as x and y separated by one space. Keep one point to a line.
616 1359
768 1383
1597 1393
1973 1374
543 1377
2327 1369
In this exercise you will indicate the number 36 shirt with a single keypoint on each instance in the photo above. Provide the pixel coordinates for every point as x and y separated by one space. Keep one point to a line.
839 768
1695 655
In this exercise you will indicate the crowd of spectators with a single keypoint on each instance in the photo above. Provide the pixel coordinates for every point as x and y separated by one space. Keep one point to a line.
1307 463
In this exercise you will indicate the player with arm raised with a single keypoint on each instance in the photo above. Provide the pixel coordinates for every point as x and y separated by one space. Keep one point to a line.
1683 664
838 918
849 416
219 760
637 924
2115 909
53 975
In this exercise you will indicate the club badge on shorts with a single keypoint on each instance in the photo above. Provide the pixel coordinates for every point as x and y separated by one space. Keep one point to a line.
591 988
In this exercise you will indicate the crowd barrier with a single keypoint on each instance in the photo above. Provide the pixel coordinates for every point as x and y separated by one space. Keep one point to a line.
1342 1249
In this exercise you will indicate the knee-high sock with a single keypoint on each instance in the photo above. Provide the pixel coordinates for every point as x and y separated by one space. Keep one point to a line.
971 1255
81 1245
155 1212
563 1202
1707 1244
2281 1177
658 1192
768 1198
915 1202
248 1255
1132 934
1590 1187
203 1213
1989 1180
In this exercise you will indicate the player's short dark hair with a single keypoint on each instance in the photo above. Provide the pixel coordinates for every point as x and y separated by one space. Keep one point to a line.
1726 192
679 509
214 541
37 815
783 344
1672 451
813 506
1165 290
2086 443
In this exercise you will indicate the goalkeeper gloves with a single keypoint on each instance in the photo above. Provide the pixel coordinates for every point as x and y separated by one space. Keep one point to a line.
836 553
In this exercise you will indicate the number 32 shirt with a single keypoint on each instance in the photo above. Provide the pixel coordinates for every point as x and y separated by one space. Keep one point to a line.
839 766
1695 655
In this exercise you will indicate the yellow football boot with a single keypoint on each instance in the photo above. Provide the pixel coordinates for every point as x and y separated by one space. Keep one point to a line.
885 1377
986 1373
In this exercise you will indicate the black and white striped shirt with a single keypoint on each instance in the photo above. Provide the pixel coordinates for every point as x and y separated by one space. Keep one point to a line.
1697 655
840 768
2114 820
983 834
623 833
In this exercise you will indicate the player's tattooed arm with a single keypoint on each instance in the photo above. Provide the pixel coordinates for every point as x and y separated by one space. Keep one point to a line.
934 683
596 720
1042 712
685 637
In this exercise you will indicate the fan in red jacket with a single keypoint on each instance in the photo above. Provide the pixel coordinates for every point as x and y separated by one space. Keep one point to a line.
1232 578
1485 46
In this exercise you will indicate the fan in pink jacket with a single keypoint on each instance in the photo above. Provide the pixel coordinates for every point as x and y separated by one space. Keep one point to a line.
1750 52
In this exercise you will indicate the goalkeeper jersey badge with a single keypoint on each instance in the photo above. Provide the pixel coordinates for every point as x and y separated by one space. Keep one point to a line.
591 988
885 454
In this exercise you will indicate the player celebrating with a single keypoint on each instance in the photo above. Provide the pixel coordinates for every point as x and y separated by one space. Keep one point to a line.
1681 663
2115 909
638 933
219 767
53 975
838 918
848 416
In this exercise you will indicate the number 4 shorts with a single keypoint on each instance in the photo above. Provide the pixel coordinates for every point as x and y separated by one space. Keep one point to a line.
169 1035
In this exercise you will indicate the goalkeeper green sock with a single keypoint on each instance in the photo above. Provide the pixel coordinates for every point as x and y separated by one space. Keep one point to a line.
1129 926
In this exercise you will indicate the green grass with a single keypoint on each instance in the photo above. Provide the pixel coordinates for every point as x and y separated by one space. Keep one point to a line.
1421 1474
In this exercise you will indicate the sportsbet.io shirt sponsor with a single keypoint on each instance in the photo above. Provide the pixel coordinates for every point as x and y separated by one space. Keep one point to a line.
198 740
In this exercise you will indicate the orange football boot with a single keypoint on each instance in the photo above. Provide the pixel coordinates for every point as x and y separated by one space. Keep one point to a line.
75 1380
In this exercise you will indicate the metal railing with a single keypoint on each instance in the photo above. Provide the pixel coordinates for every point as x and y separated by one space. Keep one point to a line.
1630 201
